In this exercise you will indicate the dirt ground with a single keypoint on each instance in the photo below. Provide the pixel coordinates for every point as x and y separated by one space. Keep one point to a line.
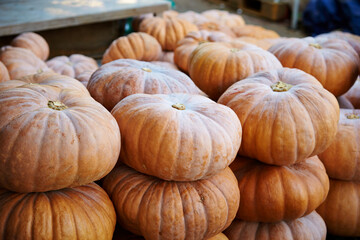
282 28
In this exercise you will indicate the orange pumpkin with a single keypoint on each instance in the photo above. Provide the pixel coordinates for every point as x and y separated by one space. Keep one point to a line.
33 42
192 17
215 26
168 31
179 137
254 31
216 66
286 115
333 62
352 39
187 45
84 77
73 65
311 226
84 212
224 17
353 95
341 158
158 209
120 78
340 210
21 62
137 45
271 193
4 74
53 137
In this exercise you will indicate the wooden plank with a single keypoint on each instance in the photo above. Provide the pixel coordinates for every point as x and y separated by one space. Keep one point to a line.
18 16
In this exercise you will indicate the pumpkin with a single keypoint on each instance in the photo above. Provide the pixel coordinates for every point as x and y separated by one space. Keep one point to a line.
311 226
187 45
216 66
166 56
340 210
21 62
341 158
192 17
352 39
215 26
286 115
84 212
270 193
353 94
261 43
73 65
166 65
138 19
120 78
344 102
168 31
179 137
170 14
333 62
54 138
254 31
224 17
137 45
84 77
33 42
158 209
4 74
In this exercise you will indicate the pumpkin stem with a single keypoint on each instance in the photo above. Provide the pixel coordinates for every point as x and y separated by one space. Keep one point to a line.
146 69
39 71
281 87
352 116
234 50
69 63
315 45
179 106
56 105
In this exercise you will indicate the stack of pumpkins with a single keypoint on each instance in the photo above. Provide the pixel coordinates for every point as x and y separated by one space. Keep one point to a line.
177 183
55 141
287 118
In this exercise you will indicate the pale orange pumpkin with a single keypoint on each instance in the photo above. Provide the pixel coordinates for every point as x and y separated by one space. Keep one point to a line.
271 193
311 226
193 17
168 31
137 45
120 78
158 209
166 56
333 62
33 42
254 31
179 137
224 17
53 137
215 26
4 74
166 65
341 209
352 39
84 212
286 115
353 95
216 66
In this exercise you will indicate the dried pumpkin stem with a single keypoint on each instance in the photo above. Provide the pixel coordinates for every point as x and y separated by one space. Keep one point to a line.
234 50
146 69
39 71
315 45
281 87
69 63
179 106
56 105
352 116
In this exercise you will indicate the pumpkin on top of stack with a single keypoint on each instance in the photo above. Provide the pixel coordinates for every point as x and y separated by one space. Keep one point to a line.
56 140
287 118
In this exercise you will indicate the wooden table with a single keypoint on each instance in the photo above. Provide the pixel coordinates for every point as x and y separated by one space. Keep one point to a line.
18 16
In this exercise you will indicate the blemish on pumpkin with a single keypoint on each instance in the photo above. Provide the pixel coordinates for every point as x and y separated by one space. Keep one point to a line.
234 50
146 69
281 87
179 106
352 116
39 71
56 105
202 198
315 45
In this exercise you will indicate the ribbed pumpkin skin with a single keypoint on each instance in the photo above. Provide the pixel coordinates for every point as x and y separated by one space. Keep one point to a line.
335 65
44 149
188 44
193 17
158 209
342 157
120 78
84 212
168 31
216 66
33 42
166 56
341 209
21 62
310 227
84 77
224 17
352 39
253 31
275 193
215 26
137 45
354 94
4 74
73 65
172 144
166 65
283 128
